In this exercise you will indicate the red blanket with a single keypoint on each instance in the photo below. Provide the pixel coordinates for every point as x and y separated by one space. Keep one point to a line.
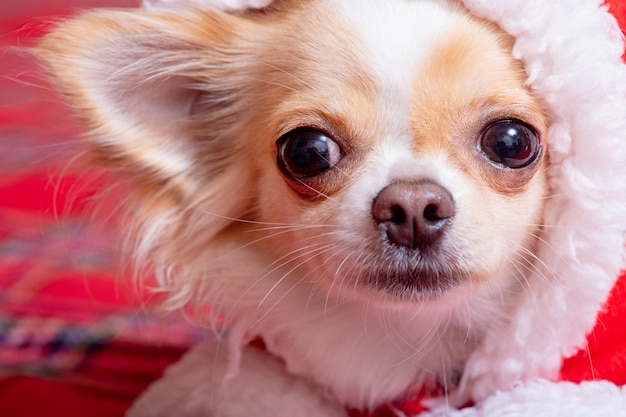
73 340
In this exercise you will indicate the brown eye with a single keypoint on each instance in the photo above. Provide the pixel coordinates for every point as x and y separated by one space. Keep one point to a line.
511 143
306 152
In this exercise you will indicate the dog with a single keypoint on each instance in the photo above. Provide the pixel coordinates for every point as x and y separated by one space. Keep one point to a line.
360 186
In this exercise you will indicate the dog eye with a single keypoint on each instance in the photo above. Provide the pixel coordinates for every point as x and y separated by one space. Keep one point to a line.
511 143
307 152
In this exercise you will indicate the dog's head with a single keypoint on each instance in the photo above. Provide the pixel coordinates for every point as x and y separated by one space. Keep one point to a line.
383 150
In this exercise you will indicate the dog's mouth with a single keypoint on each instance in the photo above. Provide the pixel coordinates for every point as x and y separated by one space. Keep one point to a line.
412 284
407 274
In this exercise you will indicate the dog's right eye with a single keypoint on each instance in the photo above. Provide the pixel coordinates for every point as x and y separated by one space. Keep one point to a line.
307 152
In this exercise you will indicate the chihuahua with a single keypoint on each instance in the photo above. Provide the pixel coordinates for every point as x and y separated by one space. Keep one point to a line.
358 184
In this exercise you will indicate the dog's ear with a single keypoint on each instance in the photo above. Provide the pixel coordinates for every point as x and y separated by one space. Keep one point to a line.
160 95
136 79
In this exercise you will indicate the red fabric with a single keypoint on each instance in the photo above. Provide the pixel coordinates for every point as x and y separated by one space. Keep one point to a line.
74 342
39 397
605 355
618 9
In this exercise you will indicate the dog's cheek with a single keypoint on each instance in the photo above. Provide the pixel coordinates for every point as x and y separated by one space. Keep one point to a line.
501 230
280 205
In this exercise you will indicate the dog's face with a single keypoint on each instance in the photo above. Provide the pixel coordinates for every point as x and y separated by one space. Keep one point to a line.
386 150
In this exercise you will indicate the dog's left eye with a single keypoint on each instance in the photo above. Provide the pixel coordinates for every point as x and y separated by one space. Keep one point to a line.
511 143
306 152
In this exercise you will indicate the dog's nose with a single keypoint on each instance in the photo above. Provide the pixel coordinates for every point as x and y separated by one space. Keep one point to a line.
414 215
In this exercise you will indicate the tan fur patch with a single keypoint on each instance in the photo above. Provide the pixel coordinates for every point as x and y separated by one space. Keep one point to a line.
470 81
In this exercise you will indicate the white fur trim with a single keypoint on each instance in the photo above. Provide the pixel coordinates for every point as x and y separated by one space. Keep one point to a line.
572 51
546 399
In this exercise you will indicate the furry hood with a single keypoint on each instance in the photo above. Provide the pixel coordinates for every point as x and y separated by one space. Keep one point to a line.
572 52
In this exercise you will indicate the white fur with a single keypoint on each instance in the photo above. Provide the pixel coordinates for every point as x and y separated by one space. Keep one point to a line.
541 398
398 37
194 387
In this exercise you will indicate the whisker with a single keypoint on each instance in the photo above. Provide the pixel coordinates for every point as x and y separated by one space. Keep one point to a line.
315 250
277 265
248 221
295 285
427 340
523 280
328 291
326 196
532 257
538 225
352 180
334 280
292 227
282 231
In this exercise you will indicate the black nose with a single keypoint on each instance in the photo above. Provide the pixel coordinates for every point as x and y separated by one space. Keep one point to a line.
414 215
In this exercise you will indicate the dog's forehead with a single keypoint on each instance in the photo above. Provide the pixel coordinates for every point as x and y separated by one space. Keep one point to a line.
398 36
386 68
370 55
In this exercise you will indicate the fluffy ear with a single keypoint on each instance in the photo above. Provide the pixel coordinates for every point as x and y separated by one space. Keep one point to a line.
136 79
160 97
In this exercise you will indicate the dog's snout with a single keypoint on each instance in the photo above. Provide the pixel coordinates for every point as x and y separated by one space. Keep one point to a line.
413 214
